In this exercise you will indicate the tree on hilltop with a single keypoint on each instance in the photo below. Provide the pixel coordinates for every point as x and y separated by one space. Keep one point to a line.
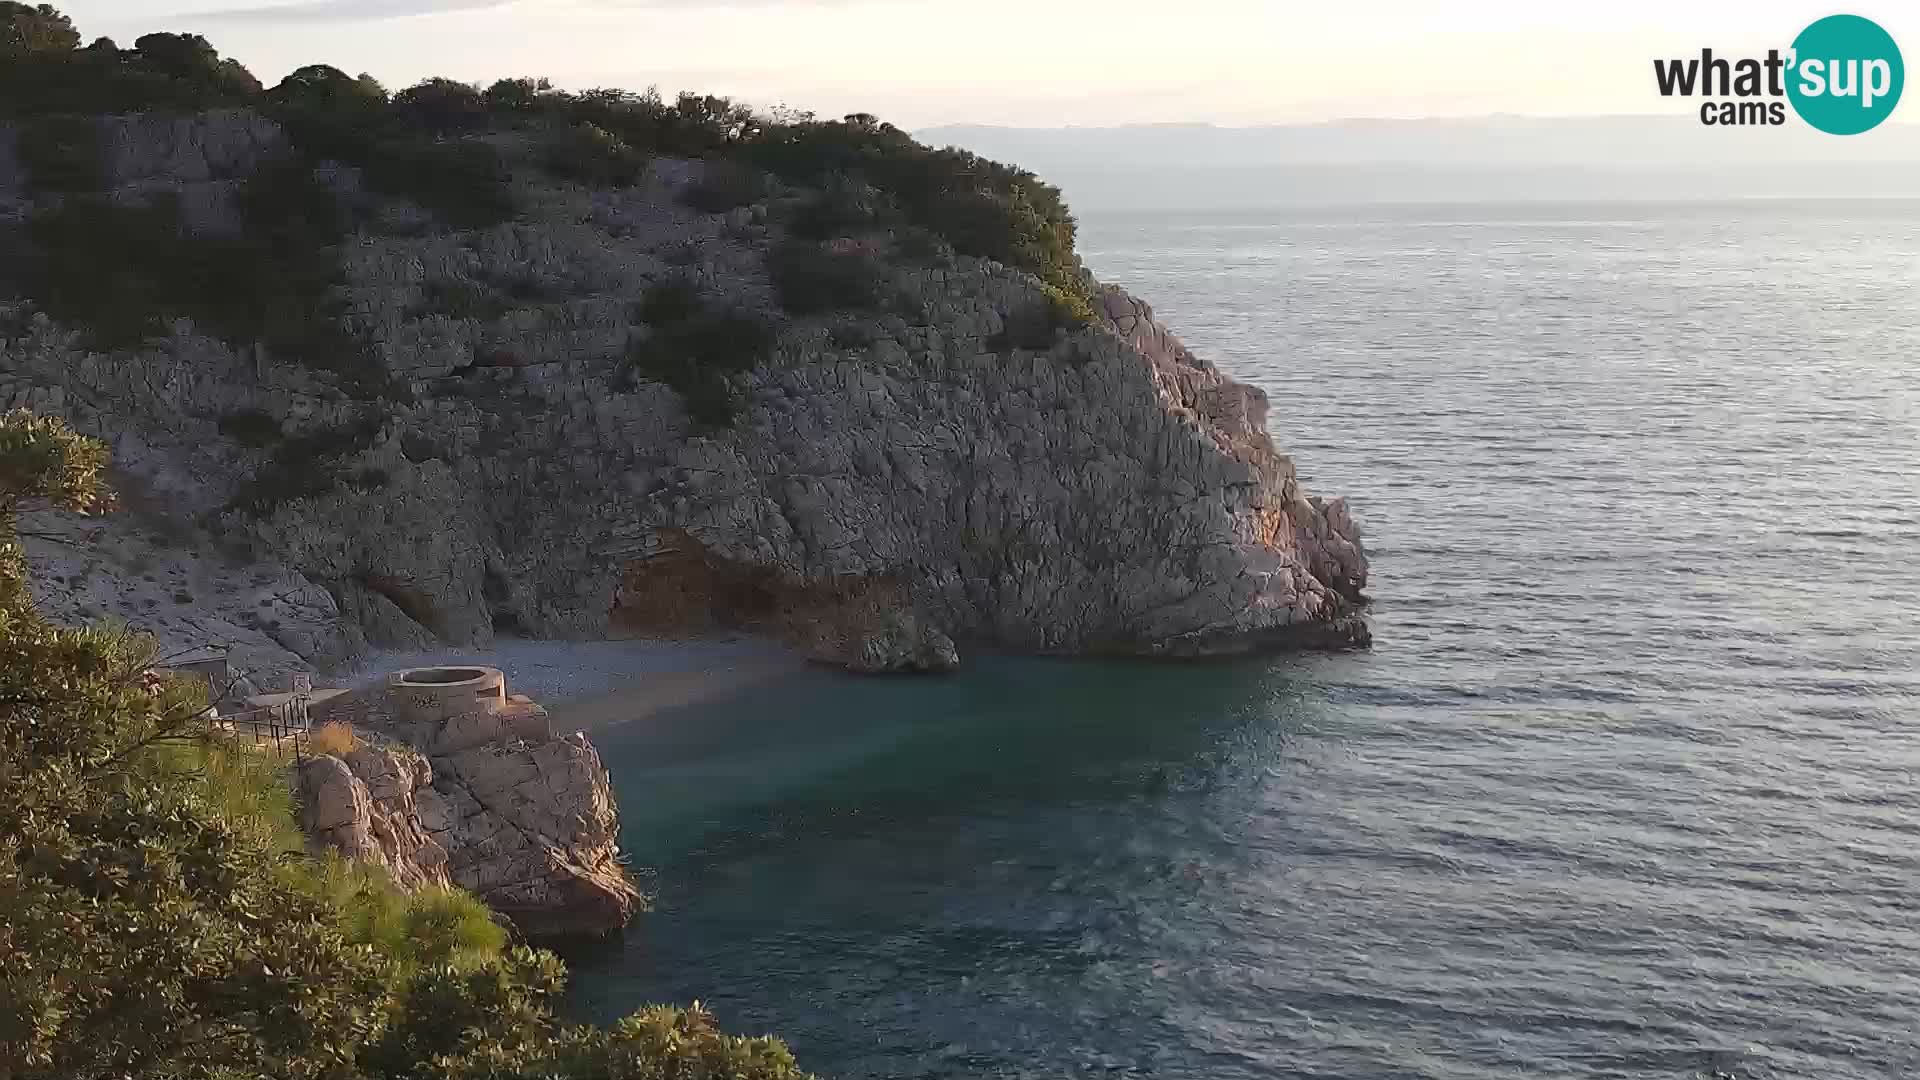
323 86
41 29
443 106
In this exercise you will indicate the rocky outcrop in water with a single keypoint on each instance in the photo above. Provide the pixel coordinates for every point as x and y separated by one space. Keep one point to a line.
1110 492
486 800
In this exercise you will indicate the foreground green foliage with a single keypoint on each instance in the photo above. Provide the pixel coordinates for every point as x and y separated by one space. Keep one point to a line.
159 916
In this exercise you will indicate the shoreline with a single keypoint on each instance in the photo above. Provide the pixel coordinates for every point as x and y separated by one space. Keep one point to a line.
597 685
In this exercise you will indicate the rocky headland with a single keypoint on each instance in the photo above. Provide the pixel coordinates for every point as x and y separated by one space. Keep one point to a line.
895 478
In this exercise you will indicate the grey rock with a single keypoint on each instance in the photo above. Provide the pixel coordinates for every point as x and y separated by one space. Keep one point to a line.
884 641
363 806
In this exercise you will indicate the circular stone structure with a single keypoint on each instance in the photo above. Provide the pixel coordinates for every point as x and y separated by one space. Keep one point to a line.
433 694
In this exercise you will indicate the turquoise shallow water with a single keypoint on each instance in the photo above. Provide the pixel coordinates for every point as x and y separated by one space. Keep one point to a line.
1627 786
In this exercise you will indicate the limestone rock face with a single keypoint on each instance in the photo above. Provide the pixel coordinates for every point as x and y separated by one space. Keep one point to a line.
363 806
529 828
881 641
532 832
222 144
1111 493
174 581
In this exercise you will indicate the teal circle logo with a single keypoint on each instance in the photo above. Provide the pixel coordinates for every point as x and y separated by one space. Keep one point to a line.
1846 75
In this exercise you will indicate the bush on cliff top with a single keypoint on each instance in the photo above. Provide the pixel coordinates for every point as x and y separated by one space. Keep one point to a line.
978 206
416 145
25 29
160 916
44 71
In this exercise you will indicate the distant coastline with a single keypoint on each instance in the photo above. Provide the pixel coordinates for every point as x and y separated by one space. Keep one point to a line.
1486 159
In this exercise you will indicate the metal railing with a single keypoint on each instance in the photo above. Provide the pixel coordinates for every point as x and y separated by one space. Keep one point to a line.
276 726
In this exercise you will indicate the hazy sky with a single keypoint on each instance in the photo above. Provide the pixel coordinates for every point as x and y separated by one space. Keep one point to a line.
919 62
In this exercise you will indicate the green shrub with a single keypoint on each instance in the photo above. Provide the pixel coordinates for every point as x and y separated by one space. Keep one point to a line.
162 73
122 272
691 126
110 269
250 427
671 302
192 61
980 207
461 182
323 88
279 282
845 208
591 155
443 106
306 465
921 245
852 335
25 29
724 185
396 146
1039 325
1069 309
696 349
518 95
418 448
62 153
331 124
810 279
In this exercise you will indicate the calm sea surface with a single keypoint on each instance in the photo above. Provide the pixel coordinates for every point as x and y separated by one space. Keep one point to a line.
1629 785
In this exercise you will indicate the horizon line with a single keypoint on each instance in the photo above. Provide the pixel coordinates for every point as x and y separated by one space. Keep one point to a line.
1209 125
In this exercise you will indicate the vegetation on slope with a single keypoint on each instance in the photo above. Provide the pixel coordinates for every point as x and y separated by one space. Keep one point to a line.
694 345
277 284
160 917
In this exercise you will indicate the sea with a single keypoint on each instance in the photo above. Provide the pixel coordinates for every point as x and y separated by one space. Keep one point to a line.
1628 784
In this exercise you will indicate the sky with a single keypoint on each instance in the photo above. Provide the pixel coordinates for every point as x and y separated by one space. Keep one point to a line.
920 63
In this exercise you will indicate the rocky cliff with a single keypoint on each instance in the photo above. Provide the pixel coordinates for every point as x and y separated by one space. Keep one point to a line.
1109 491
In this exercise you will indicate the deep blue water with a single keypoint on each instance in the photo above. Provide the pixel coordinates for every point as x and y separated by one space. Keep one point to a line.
1629 785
